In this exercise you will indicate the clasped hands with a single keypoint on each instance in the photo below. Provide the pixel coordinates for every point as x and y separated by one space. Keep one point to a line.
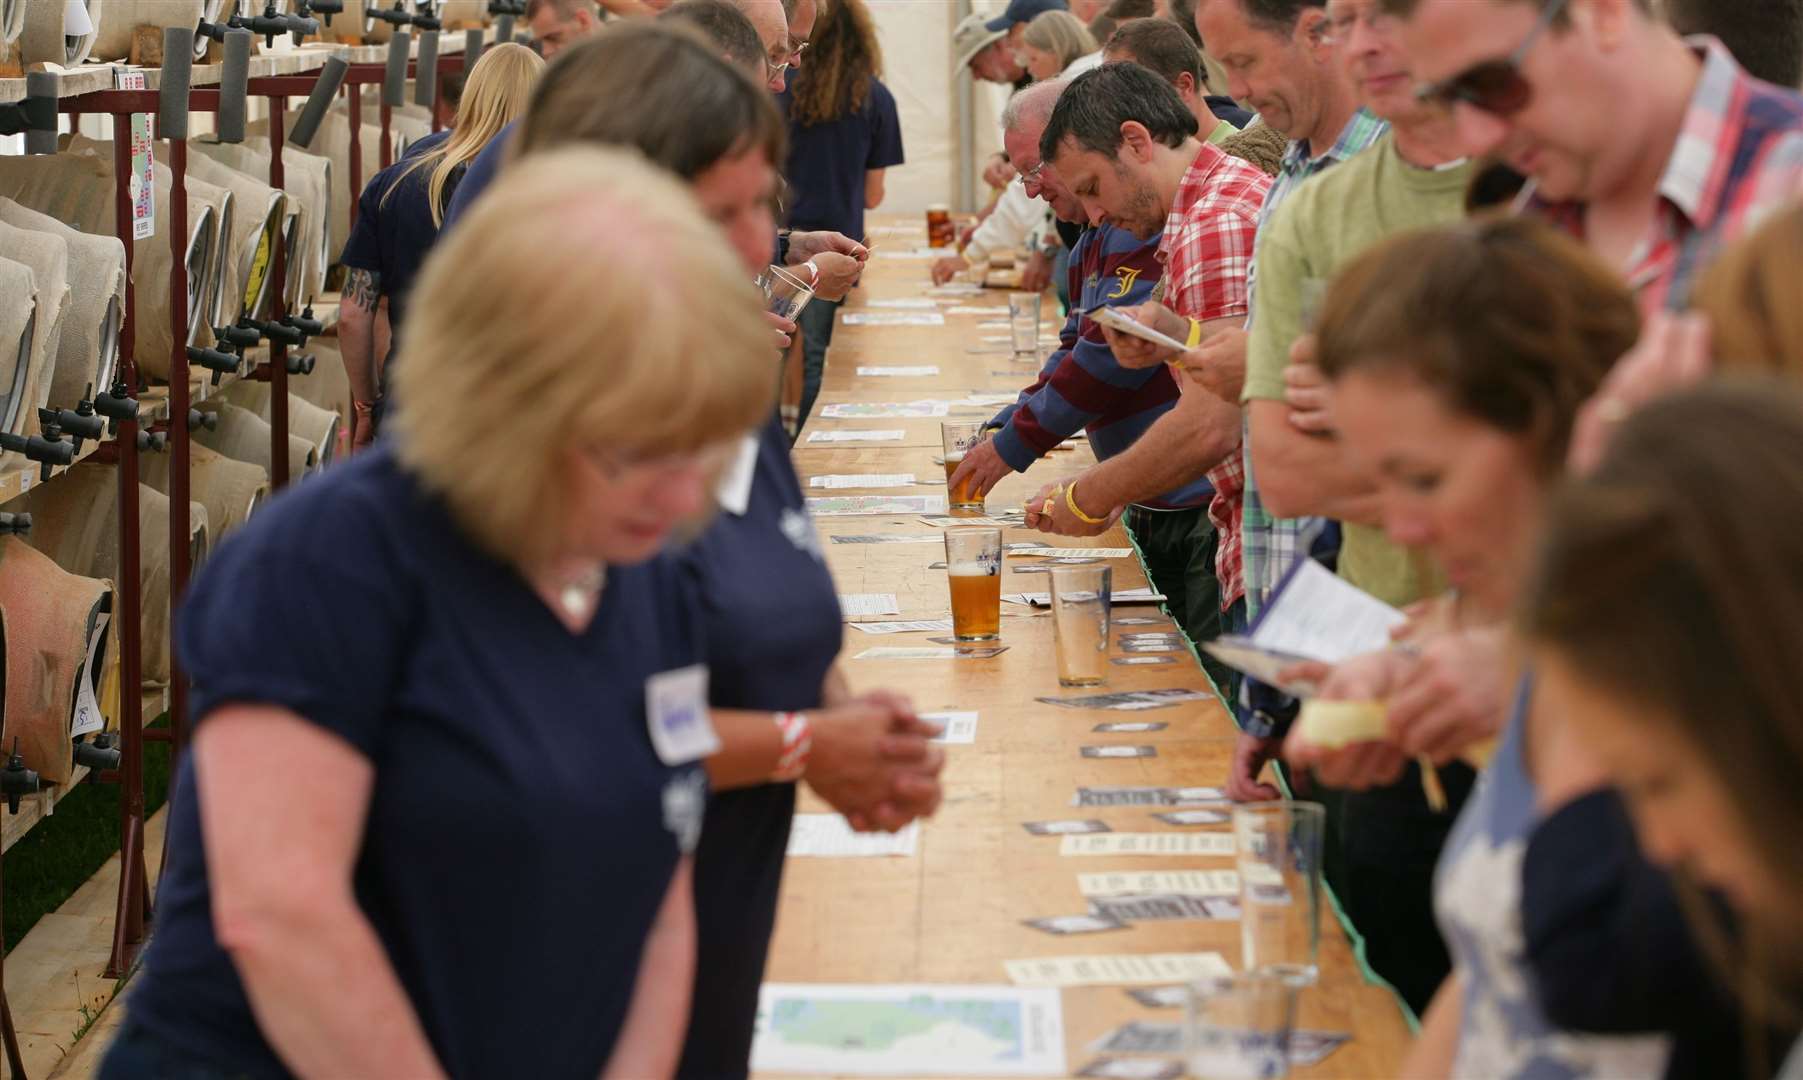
872 761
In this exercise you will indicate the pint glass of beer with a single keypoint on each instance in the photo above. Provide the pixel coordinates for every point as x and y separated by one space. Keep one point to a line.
973 564
960 439
941 233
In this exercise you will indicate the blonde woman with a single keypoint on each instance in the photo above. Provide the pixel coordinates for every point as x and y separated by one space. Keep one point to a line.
451 696
399 215
1054 41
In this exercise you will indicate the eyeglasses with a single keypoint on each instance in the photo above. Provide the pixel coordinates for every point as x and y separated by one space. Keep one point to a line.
1031 176
773 69
1495 86
795 53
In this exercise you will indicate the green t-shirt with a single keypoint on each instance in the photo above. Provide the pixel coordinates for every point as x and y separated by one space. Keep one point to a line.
1328 220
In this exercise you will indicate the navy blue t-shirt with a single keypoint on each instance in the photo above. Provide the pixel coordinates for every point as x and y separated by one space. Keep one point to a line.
522 831
393 233
827 161
481 173
773 626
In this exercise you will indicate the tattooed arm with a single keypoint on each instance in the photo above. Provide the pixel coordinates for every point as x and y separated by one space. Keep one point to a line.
357 342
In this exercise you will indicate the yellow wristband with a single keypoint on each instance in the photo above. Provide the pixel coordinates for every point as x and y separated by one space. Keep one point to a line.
1070 500
1195 334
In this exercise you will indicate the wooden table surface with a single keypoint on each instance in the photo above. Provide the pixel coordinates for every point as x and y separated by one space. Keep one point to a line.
953 912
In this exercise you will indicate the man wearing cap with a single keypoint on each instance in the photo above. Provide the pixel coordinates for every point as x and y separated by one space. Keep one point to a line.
986 52
1014 18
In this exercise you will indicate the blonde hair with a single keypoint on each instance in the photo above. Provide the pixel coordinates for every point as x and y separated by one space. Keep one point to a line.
1750 296
1061 34
498 90
585 304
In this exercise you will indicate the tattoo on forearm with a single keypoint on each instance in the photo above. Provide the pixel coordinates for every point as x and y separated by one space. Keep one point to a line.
363 288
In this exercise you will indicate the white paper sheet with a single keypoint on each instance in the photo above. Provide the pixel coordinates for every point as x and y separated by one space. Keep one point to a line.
892 318
1114 319
960 727
899 371
888 538
1118 596
866 505
1161 883
828 836
857 435
1155 843
863 480
1049 552
908 303
915 626
868 604
885 410
1317 614
908 1030
1131 970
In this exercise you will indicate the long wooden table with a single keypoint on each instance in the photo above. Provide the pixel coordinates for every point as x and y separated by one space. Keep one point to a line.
953 912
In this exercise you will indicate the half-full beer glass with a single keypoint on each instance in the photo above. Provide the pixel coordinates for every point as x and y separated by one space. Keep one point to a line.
960 439
973 565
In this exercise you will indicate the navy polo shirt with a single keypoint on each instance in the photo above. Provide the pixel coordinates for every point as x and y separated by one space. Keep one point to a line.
394 232
481 173
521 833
827 161
771 616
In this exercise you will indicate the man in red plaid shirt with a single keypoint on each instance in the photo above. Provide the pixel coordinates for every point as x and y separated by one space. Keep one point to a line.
1123 143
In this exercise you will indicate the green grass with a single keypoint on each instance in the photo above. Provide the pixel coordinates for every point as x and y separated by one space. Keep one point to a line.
64 850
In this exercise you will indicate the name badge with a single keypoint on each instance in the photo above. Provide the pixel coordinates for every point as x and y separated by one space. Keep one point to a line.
734 492
676 713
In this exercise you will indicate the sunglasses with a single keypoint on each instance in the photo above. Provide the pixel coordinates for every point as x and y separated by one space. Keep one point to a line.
1495 86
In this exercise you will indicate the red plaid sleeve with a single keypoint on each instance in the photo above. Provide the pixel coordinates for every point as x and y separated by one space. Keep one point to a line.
1210 257
1229 479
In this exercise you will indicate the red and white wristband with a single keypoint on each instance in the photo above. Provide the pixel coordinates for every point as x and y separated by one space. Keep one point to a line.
798 739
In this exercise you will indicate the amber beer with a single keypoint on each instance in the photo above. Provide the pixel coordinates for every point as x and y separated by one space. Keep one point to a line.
973 567
941 233
957 439
960 497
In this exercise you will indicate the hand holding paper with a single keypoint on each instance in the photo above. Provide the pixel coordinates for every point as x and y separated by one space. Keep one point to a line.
1141 336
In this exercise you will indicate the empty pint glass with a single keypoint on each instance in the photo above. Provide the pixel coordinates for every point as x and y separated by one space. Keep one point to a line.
784 293
973 565
1080 623
960 439
1023 321
1238 1027
1280 887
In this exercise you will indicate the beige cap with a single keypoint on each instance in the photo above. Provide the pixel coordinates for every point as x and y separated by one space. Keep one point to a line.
973 36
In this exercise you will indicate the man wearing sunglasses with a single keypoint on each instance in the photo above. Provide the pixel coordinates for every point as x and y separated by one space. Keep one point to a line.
1656 150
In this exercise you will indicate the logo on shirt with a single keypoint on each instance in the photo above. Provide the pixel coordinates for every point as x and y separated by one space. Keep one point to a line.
800 530
685 804
1128 275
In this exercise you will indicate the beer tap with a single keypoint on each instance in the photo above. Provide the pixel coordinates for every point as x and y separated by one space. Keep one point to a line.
325 8
273 23
81 423
100 754
198 419
117 405
15 524
47 448
16 780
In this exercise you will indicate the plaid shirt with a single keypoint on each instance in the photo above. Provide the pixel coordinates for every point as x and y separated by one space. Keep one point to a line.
1738 157
1207 257
1271 544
